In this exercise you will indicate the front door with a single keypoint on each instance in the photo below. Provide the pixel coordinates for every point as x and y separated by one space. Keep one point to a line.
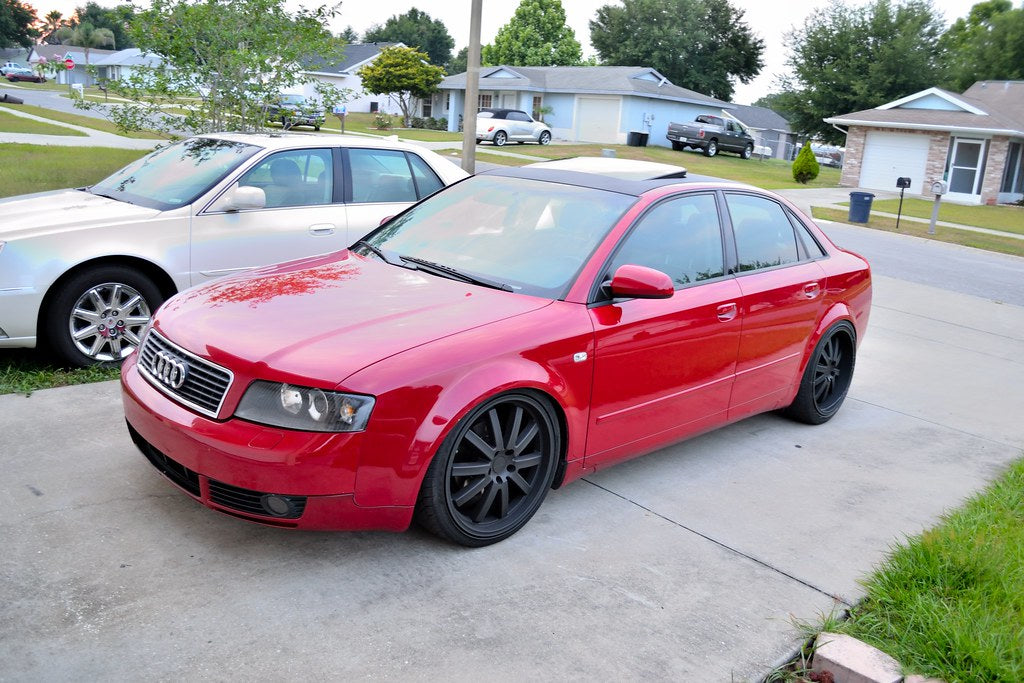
966 168
663 368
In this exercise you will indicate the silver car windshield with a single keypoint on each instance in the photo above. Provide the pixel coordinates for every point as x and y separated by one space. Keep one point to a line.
175 175
533 236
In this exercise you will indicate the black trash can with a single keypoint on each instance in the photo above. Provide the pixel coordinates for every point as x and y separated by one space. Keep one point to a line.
637 138
860 206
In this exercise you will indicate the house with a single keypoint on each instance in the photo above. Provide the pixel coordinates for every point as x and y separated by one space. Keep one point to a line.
123 63
58 53
344 76
769 130
974 141
601 104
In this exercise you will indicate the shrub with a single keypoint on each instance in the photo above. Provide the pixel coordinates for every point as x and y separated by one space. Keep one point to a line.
417 122
382 121
442 123
805 168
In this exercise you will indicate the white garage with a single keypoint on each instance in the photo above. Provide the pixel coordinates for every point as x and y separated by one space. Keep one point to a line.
888 156
597 119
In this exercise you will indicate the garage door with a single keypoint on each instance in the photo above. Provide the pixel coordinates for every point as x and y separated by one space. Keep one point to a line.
597 119
888 156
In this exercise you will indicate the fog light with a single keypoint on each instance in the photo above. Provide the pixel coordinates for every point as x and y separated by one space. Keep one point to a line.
278 506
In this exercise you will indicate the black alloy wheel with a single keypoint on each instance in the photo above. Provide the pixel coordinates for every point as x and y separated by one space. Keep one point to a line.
493 472
827 378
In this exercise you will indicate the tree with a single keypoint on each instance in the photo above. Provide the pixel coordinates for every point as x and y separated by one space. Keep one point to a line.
703 45
805 166
87 37
401 73
986 45
53 21
224 61
116 20
417 30
847 59
16 21
537 35
349 35
459 63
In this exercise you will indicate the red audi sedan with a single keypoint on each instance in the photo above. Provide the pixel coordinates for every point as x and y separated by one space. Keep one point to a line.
506 336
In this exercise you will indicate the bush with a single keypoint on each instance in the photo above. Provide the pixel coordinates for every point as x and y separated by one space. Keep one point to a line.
442 123
805 168
382 121
417 122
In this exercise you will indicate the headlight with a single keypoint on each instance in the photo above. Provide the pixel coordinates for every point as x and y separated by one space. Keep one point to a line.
311 410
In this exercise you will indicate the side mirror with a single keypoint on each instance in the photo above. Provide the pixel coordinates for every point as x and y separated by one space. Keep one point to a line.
240 198
640 282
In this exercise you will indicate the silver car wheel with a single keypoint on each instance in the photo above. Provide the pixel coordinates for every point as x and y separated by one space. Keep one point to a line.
107 321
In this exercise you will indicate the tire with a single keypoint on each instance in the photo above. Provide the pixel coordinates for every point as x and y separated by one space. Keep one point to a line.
747 152
545 138
90 304
711 149
492 472
827 378
500 138
677 146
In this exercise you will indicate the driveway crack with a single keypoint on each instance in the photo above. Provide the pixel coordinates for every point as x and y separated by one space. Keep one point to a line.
725 546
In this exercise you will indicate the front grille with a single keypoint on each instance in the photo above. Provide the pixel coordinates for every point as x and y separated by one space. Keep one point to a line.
184 376
176 472
251 502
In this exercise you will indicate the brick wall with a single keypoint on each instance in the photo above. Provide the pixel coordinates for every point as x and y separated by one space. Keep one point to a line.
995 165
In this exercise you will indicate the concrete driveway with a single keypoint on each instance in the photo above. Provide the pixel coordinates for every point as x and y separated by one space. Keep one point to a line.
687 564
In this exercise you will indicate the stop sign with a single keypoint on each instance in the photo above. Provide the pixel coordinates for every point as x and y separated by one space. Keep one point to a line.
69 63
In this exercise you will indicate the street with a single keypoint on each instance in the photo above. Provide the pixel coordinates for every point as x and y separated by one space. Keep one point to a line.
689 563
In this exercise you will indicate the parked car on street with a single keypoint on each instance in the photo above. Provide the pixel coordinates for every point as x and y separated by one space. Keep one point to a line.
712 134
83 269
508 335
14 75
9 66
501 126
296 110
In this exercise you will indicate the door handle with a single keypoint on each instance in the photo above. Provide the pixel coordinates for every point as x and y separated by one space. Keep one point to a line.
727 312
812 289
321 229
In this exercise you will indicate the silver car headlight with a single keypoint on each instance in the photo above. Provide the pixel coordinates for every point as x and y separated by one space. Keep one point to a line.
305 408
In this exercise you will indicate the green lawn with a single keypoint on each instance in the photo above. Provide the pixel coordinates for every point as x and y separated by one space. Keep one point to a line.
9 123
35 168
23 371
1005 218
950 602
79 120
967 238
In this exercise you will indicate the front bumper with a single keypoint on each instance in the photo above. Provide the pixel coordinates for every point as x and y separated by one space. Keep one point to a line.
276 477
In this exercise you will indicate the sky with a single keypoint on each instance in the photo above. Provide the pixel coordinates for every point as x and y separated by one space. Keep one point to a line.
764 17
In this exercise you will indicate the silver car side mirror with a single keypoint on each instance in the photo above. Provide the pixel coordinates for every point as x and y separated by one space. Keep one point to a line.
240 198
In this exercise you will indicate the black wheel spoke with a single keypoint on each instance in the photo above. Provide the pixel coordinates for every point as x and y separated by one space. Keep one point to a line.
481 445
528 460
503 500
485 505
499 440
527 438
517 422
467 493
470 469
517 478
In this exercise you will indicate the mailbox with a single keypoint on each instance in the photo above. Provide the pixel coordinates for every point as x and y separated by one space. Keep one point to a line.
903 182
940 187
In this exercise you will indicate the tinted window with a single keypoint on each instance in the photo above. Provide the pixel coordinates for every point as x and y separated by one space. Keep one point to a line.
301 177
427 182
764 235
518 116
811 248
381 175
680 237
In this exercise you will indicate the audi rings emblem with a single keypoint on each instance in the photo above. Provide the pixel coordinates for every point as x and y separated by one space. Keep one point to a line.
169 369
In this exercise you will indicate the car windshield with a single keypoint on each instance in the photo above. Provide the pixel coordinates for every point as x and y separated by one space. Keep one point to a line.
293 99
533 236
176 175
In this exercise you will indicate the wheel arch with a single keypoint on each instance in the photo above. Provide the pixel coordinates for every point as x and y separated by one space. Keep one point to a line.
837 313
158 275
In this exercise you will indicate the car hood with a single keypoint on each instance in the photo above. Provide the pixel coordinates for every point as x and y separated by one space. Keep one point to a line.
63 210
326 317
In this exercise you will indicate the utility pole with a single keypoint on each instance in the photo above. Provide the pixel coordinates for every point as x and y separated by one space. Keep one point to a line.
472 89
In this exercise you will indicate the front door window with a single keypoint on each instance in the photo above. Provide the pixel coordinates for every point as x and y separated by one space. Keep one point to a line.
965 168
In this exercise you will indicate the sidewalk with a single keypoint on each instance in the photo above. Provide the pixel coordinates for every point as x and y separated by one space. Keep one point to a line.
93 137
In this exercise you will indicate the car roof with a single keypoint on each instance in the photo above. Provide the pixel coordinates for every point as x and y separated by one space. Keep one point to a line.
499 111
597 181
624 169
287 140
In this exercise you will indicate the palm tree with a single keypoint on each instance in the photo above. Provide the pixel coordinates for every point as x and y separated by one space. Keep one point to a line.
51 22
87 36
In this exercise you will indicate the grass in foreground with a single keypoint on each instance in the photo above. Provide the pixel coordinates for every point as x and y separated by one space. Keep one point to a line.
34 168
102 125
950 602
1005 218
23 371
967 238
9 123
